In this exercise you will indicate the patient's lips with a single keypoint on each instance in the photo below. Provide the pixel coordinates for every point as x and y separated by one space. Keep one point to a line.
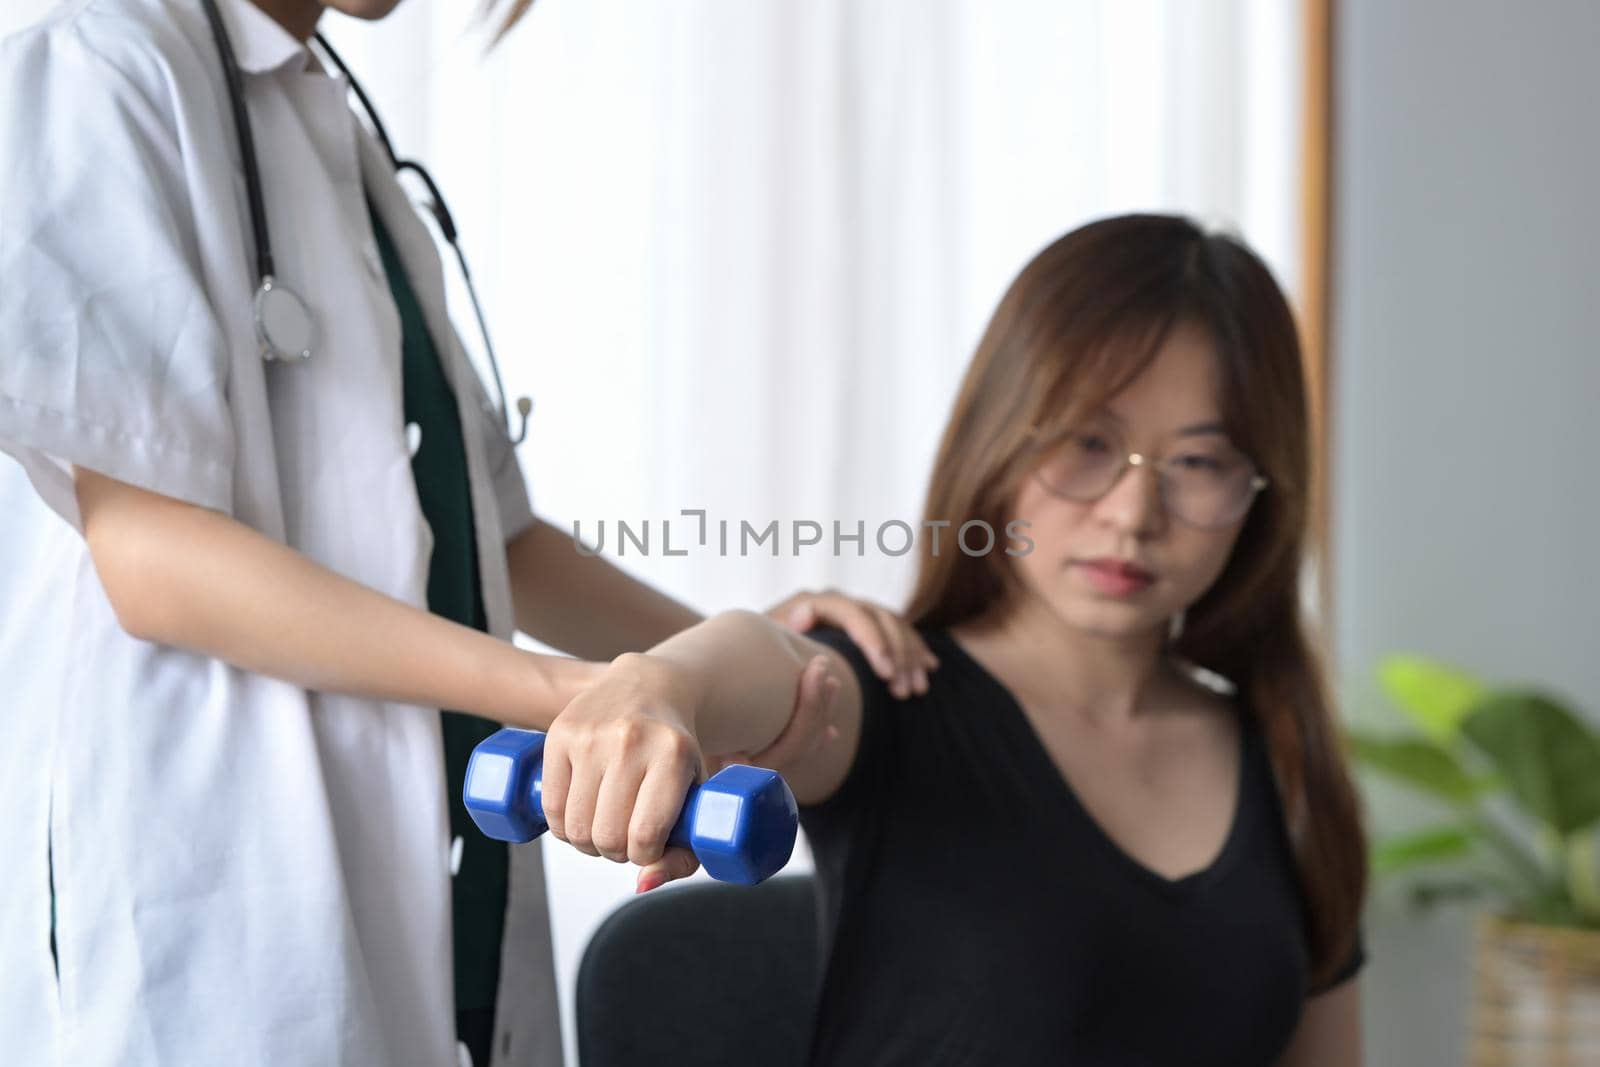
1114 577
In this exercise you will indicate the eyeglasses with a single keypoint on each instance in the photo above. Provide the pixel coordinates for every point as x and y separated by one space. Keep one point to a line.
1208 484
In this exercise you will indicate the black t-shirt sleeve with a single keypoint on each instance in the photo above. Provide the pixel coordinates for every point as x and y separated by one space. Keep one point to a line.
869 769
844 829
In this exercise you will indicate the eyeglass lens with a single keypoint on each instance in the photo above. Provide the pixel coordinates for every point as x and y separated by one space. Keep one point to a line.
1204 482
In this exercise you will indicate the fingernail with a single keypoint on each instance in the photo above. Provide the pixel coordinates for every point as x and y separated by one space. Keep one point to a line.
649 880
830 689
833 733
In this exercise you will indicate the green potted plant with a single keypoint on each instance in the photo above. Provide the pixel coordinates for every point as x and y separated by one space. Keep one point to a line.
1514 778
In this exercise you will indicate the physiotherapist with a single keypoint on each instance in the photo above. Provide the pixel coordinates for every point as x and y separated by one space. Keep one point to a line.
265 542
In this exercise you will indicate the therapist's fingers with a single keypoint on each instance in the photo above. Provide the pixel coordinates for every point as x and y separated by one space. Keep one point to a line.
660 801
615 809
811 723
582 795
906 648
803 617
794 611
898 651
675 863
918 652
803 611
891 644
555 776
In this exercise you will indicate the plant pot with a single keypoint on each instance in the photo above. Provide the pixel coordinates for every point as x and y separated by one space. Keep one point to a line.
1536 995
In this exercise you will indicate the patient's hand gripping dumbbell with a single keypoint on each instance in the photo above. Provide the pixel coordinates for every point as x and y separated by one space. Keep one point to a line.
741 823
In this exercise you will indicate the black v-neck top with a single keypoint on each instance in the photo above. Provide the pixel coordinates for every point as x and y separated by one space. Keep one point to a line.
973 912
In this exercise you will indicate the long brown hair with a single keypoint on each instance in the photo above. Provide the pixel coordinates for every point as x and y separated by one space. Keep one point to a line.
1080 322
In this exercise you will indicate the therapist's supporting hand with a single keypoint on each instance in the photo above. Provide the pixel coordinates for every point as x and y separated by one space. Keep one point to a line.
811 724
621 756
810 727
892 645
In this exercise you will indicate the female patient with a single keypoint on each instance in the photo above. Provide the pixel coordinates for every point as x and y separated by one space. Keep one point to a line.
1116 828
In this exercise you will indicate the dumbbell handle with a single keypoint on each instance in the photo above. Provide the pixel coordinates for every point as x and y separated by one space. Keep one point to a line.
678 836
741 824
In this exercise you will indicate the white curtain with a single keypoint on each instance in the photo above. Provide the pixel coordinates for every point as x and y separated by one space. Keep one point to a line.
739 251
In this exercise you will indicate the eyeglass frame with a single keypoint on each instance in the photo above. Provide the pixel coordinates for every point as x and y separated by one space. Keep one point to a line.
1258 481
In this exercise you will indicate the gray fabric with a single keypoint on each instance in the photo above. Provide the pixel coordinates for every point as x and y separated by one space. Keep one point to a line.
704 975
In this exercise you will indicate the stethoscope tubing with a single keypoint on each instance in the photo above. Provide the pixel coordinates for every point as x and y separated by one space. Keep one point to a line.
278 310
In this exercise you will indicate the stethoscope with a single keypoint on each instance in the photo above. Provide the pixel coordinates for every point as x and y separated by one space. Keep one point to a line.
285 327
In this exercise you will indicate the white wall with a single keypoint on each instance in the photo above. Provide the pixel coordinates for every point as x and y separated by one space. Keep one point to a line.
1467 279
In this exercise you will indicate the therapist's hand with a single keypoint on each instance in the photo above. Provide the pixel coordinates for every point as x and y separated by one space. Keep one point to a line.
891 644
620 757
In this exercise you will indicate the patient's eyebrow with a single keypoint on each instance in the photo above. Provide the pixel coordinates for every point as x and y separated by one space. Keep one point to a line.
1195 430
1202 428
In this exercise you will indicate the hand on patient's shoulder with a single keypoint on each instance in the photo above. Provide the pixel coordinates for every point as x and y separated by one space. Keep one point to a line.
890 643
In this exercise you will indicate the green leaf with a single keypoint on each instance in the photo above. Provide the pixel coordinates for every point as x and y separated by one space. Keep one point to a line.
1549 760
1419 763
1435 845
1433 695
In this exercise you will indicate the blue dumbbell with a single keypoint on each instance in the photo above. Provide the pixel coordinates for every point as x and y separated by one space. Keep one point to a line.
741 823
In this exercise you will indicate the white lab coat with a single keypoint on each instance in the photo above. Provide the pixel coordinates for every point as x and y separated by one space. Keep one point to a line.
246 873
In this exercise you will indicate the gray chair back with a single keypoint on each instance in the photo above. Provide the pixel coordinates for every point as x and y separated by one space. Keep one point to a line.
704 975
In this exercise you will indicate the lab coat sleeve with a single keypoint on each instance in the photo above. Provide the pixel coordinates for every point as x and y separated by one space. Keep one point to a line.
110 355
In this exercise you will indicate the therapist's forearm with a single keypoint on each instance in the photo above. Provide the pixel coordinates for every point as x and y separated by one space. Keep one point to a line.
193 578
582 604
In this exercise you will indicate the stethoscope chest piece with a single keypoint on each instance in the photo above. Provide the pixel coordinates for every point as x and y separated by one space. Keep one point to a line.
285 329
284 325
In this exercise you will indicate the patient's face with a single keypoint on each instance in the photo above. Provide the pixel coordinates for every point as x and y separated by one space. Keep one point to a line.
1169 411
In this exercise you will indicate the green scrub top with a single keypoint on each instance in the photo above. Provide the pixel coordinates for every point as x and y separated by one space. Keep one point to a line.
479 888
